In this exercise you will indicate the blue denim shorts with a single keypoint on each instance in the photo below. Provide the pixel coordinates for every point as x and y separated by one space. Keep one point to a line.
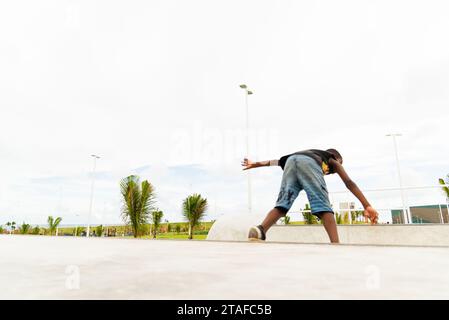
303 173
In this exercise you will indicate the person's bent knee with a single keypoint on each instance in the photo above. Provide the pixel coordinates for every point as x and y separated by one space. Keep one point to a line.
321 214
281 210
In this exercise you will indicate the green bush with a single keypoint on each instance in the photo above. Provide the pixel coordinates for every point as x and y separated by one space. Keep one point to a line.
99 230
286 220
338 218
309 218
24 228
78 231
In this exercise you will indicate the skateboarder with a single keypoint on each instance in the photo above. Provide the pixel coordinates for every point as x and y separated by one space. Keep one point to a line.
305 170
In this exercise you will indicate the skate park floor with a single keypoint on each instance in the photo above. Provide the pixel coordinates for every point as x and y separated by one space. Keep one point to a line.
43 267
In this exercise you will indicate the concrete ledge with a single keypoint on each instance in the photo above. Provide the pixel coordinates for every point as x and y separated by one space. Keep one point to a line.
235 228
402 235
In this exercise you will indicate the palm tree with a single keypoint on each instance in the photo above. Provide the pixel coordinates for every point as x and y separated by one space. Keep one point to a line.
24 228
194 209
156 217
444 187
35 230
8 225
53 224
138 202
13 226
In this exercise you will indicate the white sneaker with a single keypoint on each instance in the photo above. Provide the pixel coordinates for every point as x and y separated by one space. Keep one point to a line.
256 233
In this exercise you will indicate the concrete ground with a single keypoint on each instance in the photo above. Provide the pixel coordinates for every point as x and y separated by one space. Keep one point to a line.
35 267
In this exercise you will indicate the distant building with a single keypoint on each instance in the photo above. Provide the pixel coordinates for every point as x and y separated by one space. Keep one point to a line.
348 212
346 205
423 214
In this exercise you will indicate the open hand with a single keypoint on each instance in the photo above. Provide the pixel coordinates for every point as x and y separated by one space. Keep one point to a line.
247 164
371 214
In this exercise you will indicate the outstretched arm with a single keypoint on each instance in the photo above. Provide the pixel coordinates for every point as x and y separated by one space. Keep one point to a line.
247 164
370 212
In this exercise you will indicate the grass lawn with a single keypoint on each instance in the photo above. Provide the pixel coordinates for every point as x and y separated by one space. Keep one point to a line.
180 236
173 235
200 232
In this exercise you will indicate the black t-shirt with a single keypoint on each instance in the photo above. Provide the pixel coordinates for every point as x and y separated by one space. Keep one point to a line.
321 157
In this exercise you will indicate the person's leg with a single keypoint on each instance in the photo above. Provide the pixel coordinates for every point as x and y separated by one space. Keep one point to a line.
272 217
330 225
289 190
312 179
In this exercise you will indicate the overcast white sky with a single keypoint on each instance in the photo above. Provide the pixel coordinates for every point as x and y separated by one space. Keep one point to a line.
153 88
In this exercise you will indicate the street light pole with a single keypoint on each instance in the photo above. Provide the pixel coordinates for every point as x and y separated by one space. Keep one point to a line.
95 157
247 93
404 207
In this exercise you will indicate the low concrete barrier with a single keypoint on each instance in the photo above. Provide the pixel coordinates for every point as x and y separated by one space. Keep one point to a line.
406 235
235 228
